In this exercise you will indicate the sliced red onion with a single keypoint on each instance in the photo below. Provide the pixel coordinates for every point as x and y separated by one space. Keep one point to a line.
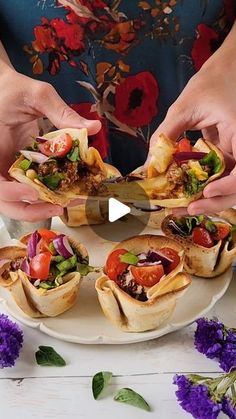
146 263
176 228
4 261
34 156
183 156
32 244
41 140
62 246
25 267
154 256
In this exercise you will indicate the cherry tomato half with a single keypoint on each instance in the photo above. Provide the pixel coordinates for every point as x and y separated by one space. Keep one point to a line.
147 276
47 235
222 232
40 266
57 147
114 266
184 145
173 255
202 237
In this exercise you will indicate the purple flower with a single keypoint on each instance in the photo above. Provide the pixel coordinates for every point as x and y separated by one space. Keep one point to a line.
11 339
209 337
228 355
196 399
228 408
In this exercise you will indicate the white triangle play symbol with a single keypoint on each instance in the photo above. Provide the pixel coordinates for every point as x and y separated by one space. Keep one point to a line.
116 209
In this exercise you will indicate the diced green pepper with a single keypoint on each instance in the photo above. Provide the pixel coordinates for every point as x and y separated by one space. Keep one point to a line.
25 164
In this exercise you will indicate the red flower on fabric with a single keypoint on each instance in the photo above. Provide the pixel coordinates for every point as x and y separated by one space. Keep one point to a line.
136 99
71 33
230 9
44 39
203 46
99 140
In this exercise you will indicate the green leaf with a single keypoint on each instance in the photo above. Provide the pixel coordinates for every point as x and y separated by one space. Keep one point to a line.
84 269
47 356
212 160
52 181
192 184
129 258
67 264
129 396
74 154
25 164
210 226
100 382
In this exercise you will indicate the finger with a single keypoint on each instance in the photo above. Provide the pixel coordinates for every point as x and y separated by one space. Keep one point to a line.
212 205
179 211
211 134
221 187
51 105
29 212
13 191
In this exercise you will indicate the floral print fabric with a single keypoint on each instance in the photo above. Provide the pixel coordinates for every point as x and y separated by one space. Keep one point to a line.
121 61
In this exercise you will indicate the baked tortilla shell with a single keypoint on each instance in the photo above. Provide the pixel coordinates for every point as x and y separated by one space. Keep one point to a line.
131 315
39 302
88 154
155 189
91 213
202 261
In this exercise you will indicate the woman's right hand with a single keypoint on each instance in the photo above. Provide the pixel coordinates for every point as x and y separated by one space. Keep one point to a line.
22 101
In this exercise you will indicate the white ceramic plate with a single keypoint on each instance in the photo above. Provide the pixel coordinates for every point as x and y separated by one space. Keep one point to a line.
85 322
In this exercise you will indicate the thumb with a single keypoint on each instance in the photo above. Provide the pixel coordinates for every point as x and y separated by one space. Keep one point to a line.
51 105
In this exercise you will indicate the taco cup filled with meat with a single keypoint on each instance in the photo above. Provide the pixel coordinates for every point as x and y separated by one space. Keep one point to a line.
210 244
44 275
61 166
142 281
176 174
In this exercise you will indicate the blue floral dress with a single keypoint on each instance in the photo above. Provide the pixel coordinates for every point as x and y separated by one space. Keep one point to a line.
121 61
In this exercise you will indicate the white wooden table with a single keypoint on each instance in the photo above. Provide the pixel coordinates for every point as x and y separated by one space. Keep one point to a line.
30 391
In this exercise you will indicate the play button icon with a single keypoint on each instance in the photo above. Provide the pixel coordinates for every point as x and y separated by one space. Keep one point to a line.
116 210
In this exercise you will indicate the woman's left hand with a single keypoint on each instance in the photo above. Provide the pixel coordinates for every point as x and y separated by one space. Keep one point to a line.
208 103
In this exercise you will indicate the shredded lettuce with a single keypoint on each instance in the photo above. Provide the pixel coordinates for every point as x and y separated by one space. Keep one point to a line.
74 154
192 185
52 181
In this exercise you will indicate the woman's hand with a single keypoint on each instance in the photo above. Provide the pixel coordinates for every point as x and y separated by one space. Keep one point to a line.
208 103
22 101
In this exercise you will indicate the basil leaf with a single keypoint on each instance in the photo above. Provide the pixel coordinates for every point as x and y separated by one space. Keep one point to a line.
25 164
67 264
47 356
129 258
129 396
74 154
52 181
212 160
100 382
84 269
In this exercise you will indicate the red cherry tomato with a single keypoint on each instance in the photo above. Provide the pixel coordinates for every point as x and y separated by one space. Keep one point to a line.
47 235
184 145
222 232
114 266
57 147
202 237
40 266
173 255
147 276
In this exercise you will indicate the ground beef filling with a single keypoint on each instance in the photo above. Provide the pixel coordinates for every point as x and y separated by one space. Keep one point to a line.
14 266
131 287
72 172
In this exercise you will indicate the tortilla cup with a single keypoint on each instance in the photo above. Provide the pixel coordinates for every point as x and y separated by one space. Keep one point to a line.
155 189
202 261
40 302
89 213
131 315
89 155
